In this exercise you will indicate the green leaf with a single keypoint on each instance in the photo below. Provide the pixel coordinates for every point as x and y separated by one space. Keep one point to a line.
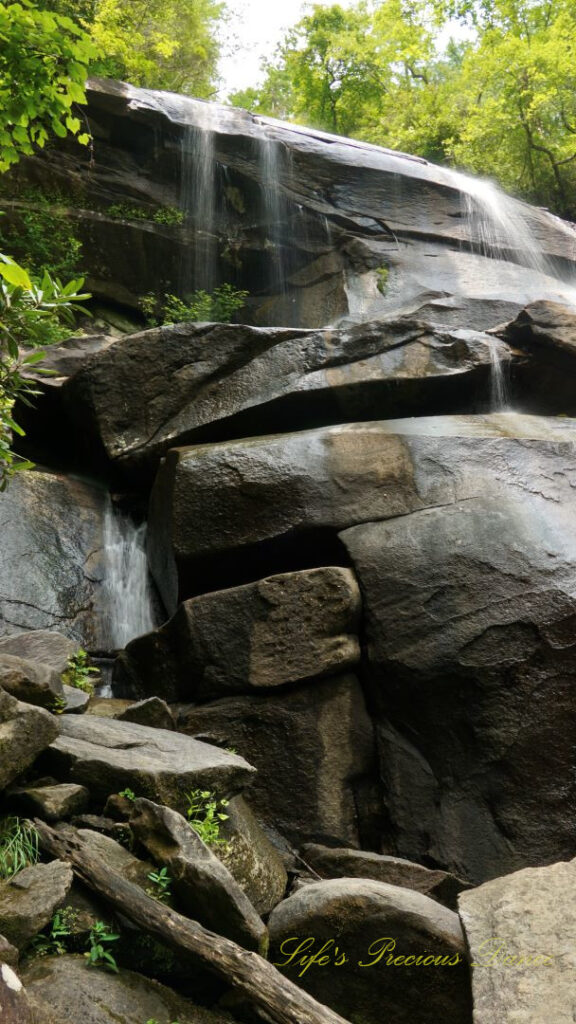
16 275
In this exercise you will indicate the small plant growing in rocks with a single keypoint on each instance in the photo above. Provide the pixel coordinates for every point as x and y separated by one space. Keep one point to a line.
128 794
18 846
52 940
98 955
161 882
79 671
204 816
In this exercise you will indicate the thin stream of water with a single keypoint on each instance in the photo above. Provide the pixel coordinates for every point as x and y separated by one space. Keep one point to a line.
127 601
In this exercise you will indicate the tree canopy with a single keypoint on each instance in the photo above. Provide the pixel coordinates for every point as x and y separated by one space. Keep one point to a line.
500 99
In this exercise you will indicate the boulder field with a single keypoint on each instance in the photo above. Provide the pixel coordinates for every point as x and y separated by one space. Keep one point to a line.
325 564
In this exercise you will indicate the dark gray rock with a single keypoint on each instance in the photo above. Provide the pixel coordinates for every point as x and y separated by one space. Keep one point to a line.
29 899
25 731
204 888
43 645
221 509
279 630
313 748
8 953
469 623
152 712
16 1007
518 930
100 997
107 756
172 385
51 803
50 560
77 701
377 928
338 863
30 681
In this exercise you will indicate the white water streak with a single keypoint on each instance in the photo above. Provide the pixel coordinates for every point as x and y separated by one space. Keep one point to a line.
127 598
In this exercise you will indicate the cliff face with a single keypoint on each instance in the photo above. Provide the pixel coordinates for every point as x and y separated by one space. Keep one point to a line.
315 227
360 524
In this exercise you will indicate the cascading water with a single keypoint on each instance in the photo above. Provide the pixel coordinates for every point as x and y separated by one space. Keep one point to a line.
198 201
272 157
127 601
499 397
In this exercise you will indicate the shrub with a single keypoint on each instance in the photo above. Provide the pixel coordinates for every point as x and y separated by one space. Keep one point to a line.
219 306
204 816
79 671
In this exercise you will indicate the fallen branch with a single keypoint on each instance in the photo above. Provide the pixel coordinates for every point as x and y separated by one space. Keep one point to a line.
264 986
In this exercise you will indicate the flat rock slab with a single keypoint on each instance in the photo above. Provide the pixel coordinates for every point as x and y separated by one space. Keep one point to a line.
29 899
77 993
520 930
51 803
107 756
373 925
342 863
25 731
282 629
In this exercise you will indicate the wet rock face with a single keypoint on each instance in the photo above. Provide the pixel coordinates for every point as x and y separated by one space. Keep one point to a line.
363 927
278 631
341 210
50 557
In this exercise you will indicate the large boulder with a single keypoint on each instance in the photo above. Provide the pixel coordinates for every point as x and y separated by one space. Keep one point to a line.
30 681
251 858
279 630
519 931
174 385
204 888
77 993
219 511
107 756
314 751
50 558
25 731
329 862
50 802
28 900
369 950
50 648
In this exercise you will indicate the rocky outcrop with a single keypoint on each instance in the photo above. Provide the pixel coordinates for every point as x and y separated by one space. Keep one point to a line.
203 886
175 385
52 649
360 945
519 931
107 756
100 997
25 731
29 899
341 863
50 562
50 802
279 630
313 748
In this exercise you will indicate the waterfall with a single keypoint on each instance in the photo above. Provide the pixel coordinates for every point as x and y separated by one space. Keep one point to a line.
499 397
127 604
271 156
198 201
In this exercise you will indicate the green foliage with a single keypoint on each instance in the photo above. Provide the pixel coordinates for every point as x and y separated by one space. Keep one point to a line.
501 101
98 955
41 235
128 794
382 274
34 313
204 815
79 671
164 215
161 882
52 939
159 44
44 61
18 846
59 705
218 307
